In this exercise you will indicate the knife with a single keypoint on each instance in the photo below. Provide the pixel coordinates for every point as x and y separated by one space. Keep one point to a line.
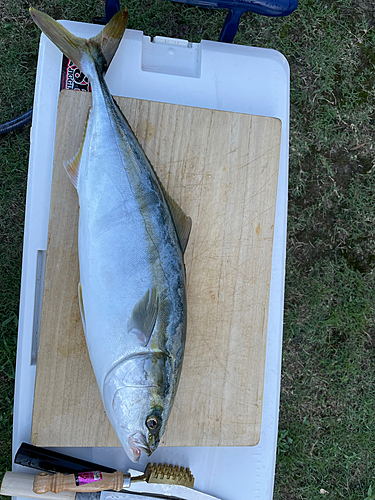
21 485
51 461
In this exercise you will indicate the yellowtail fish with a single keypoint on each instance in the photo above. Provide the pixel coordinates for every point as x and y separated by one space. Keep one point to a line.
131 242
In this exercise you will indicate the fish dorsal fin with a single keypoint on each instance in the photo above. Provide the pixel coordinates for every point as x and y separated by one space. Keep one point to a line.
182 222
80 300
72 166
143 318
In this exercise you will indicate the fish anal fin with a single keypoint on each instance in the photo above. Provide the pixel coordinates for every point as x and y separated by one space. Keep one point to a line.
72 166
80 300
143 318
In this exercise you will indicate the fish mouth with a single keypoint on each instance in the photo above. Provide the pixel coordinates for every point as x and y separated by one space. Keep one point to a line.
137 442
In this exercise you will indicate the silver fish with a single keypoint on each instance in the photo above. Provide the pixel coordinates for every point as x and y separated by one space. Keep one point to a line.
132 237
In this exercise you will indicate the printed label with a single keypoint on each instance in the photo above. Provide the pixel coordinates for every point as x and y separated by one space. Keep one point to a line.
88 477
72 77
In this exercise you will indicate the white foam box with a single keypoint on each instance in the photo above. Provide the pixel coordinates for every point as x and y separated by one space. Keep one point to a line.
209 75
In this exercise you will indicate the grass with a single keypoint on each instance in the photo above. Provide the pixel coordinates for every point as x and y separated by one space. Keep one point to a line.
327 414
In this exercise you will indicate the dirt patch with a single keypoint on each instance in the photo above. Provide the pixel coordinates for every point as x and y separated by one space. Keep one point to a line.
332 222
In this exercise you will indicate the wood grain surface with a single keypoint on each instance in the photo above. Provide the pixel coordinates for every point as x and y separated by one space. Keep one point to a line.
222 168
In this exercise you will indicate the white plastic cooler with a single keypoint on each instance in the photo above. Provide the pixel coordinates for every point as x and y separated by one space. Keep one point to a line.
209 75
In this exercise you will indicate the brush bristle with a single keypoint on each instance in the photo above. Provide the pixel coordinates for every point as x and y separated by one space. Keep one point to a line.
169 474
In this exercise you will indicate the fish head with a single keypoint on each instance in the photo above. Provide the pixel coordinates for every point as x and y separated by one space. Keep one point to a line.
133 399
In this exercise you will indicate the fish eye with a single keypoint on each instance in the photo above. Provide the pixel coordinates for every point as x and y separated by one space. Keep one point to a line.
152 422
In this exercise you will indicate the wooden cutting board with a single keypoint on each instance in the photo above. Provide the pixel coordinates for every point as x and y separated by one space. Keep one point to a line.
222 168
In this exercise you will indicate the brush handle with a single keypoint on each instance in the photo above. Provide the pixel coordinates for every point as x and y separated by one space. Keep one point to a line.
82 481
19 484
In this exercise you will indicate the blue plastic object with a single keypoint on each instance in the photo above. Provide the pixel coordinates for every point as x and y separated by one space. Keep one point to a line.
272 8
111 8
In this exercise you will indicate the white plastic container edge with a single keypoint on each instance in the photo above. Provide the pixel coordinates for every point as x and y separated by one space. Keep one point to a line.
211 75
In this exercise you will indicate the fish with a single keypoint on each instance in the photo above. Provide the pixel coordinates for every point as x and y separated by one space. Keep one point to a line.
132 237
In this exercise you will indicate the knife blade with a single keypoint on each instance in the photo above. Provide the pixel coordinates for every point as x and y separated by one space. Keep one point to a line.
125 494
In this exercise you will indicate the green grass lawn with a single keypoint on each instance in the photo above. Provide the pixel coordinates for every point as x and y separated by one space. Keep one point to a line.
327 413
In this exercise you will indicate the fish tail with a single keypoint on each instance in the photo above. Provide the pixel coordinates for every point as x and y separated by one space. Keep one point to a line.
101 48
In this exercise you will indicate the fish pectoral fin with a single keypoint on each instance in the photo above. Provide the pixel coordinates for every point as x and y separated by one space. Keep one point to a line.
72 166
80 300
182 222
143 318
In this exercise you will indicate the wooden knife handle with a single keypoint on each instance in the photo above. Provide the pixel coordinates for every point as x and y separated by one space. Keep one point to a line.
19 484
81 481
